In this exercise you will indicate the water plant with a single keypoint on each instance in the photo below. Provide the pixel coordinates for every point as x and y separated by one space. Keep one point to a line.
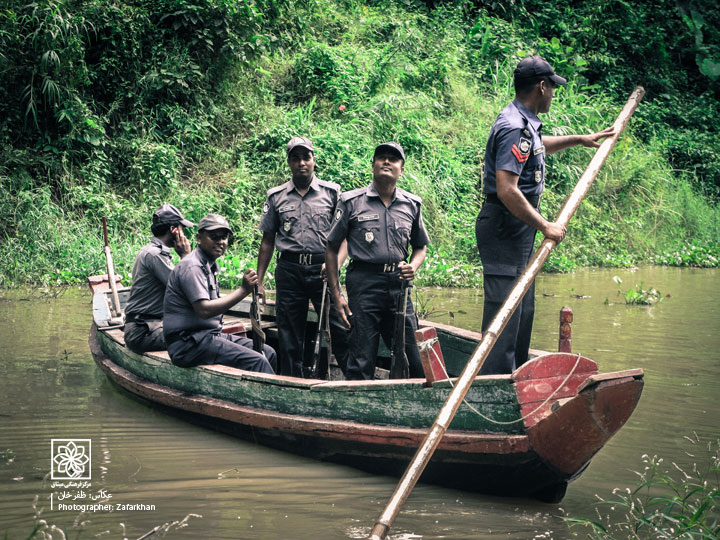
639 295
670 500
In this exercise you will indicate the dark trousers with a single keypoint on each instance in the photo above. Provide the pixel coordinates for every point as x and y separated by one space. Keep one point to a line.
506 245
144 335
295 285
218 348
373 299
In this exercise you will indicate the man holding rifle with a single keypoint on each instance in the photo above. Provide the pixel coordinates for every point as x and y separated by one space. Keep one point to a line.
194 308
380 222
296 220
513 183
152 267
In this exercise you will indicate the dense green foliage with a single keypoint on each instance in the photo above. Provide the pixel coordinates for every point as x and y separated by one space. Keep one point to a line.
111 108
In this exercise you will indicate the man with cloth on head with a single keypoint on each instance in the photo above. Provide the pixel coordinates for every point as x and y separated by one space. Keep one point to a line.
380 222
194 308
152 267
513 183
296 220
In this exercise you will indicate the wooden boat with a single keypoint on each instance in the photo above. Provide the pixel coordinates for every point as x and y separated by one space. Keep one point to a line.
526 434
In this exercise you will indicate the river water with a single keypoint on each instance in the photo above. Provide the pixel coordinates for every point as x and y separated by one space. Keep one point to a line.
51 389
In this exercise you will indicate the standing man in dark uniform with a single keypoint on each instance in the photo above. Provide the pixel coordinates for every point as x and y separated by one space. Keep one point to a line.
296 220
379 222
514 179
152 267
194 307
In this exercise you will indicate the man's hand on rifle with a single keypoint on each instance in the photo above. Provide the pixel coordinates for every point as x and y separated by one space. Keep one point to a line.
261 297
407 272
250 279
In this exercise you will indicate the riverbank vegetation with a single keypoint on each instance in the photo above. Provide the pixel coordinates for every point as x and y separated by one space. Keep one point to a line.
669 501
111 109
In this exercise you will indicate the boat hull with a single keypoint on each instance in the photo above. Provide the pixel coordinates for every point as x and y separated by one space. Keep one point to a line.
377 426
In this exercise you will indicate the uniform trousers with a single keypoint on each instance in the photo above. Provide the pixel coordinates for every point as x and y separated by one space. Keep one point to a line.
144 335
295 285
218 348
506 245
373 300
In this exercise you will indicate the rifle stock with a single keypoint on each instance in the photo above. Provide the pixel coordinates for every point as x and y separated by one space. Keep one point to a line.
324 306
399 366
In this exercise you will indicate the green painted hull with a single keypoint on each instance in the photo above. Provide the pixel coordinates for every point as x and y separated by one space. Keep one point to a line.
491 446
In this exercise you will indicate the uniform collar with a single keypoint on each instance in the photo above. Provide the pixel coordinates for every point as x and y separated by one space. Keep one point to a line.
205 261
314 185
397 194
526 113
163 248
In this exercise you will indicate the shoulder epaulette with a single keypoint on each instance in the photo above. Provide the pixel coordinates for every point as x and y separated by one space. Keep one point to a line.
331 185
354 193
411 196
274 190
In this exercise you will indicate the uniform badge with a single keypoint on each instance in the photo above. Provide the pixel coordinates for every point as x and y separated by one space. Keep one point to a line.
538 176
287 226
521 151
526 132
524 145
369 236
266 208
338 214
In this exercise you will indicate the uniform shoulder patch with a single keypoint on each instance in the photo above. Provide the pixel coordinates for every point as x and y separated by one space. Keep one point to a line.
521 150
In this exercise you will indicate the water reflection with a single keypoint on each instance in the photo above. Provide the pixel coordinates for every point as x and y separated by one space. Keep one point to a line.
143 455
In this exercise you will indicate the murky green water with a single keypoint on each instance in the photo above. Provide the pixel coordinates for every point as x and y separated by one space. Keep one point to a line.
51 389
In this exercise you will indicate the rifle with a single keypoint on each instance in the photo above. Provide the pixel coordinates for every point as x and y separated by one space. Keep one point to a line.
315 367
399 366
258 334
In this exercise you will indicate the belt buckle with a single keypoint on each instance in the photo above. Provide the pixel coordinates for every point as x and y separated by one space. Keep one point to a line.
389 267
305 258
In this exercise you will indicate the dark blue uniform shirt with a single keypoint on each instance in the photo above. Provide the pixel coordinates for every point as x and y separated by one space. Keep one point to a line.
515 145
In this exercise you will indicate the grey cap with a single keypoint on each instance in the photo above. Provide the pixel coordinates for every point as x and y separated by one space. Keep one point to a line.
167 214
537 66
303 142
391 145
212 222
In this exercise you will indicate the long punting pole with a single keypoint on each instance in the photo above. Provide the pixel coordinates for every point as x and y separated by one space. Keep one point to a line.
523 283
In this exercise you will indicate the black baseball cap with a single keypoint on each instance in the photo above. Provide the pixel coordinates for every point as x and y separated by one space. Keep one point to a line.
213 222
167 214
302 142
537 66
391 145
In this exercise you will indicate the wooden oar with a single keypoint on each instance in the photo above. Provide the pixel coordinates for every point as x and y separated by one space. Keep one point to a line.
523 283
111 272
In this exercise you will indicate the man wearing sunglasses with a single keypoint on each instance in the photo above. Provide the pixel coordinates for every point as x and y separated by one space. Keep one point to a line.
194 308
152 267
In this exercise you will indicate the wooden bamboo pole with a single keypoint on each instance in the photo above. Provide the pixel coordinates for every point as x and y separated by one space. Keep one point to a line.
111 272
523 283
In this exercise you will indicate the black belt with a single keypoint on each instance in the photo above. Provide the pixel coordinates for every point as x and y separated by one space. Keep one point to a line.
303 258
534 200
135 316
375 267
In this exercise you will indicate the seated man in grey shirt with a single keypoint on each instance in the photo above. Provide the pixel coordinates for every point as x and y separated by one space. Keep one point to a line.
193 307
152 267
